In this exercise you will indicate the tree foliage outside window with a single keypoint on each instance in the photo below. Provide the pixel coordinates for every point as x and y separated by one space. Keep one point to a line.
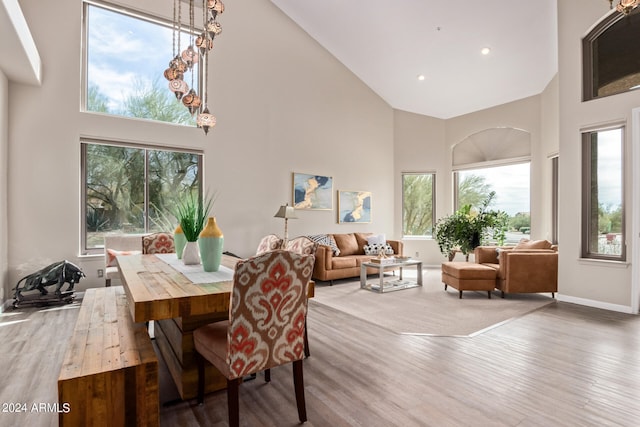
134 190
603 196
418 204
511 184
124 72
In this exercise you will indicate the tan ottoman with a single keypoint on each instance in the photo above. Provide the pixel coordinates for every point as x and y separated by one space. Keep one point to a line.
468 276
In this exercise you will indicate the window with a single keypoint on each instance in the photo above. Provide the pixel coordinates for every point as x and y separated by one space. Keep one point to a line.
512 186
610 56
418 204
603 194
125 58
133 189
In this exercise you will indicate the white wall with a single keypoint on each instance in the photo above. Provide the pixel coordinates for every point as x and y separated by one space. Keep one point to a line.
283 105
605 284
4 190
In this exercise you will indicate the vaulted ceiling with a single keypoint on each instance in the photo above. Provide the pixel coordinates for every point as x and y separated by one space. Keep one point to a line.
388 44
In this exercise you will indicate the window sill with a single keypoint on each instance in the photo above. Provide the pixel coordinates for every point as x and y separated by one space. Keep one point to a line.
604 263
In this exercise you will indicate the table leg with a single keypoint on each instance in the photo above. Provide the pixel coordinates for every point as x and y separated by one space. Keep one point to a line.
381 275
419 269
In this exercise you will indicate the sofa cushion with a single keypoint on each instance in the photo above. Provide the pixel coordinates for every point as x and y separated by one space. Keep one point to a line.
362 239
343 262
327 240
533 244
347 244
374 249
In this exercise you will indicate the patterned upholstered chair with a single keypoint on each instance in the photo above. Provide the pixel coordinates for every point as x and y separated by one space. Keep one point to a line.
158 243
269 243
305 246
265 327
302 245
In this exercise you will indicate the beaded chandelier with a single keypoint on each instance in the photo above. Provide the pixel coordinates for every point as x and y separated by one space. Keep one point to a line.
197 50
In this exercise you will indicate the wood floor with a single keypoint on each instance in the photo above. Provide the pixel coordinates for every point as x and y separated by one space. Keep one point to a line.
563 365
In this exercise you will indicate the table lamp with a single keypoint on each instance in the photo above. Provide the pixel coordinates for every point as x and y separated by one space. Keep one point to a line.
287 212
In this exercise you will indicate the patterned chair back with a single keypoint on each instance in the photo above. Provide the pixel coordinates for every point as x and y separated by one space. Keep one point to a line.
268 311
302 245
158 243
269 243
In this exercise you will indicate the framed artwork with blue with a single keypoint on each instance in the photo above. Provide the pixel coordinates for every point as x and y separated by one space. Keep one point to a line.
312 191
354 207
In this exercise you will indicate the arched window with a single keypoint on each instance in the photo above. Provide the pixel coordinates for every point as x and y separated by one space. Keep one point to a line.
611 56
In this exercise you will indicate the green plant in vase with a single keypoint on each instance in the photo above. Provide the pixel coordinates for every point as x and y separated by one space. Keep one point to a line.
192 213
468 227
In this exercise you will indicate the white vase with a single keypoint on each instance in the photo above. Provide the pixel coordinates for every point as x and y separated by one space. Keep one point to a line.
191 254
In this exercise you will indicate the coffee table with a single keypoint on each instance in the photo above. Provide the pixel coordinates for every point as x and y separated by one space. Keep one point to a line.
390 285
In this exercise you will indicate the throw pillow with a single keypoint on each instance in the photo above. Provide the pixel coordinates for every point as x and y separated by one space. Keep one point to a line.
324 239
113 253
375 248
376 239
533 244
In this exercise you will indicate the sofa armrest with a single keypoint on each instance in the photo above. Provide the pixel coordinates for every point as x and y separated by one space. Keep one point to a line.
397 246
530 270
324 257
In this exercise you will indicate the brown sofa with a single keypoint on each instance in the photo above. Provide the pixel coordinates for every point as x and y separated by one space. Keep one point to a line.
329 267
529 267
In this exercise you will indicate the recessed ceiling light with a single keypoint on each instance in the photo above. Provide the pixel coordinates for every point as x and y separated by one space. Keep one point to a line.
485 51
420 77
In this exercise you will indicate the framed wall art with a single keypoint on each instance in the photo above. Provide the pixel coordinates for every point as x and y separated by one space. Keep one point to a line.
354 206
312 191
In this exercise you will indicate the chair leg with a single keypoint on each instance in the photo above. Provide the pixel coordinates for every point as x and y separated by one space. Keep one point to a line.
200 363
107 283
298 383
307 353
267 375
460 297
233 402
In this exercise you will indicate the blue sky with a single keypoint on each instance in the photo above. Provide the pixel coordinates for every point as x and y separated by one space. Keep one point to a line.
123 49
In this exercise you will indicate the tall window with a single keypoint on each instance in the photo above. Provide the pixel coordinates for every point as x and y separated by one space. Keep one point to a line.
126 54
133 189
418 204
603 194
512 186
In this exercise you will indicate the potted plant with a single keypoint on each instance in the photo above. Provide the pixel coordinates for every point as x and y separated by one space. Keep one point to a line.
468 227
192 213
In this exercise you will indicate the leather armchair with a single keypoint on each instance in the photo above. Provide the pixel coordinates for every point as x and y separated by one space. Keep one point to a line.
521 270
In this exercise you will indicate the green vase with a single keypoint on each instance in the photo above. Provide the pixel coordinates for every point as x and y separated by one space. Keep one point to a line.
179 241
211 242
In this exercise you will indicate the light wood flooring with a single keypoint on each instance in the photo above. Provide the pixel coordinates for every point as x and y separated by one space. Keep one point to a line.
563 365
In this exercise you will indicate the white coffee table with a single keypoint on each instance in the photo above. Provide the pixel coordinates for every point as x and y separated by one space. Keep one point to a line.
394 284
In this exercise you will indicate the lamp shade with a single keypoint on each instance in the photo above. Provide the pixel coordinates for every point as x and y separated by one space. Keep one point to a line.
286 212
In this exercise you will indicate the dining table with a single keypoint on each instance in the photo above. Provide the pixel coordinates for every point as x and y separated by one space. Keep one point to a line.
179 298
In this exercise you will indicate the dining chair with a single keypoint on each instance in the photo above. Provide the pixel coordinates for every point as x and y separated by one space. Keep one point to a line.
268 243
305 246
158 243
265 328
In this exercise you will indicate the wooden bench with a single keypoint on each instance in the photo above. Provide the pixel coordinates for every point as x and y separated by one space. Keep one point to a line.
109 375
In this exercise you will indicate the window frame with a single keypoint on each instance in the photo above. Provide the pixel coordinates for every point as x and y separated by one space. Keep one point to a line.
84 142
585 251
433 205
132 13
588 55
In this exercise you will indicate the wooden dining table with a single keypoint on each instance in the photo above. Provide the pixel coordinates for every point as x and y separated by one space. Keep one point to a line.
157 291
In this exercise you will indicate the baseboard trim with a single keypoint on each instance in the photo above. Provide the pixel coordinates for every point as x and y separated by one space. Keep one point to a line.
595 304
